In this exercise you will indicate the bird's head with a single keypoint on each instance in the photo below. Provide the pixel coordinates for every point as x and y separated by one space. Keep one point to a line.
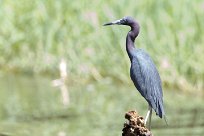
124 21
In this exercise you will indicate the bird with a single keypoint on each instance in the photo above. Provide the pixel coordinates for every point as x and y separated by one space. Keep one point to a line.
143 71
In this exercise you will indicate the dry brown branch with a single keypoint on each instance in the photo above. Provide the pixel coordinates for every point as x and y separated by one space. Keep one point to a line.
135 125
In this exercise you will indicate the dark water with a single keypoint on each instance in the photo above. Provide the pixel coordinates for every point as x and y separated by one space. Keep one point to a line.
31 106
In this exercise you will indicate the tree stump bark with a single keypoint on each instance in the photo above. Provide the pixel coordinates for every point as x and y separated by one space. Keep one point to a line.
135 125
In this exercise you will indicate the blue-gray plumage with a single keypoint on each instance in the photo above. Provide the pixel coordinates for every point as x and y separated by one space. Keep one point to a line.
147 81
143 71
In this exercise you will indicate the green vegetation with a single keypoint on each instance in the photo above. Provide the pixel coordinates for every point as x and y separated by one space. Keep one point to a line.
29 106
35 35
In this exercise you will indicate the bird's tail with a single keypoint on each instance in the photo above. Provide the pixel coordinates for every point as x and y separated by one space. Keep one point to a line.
165 119
162 112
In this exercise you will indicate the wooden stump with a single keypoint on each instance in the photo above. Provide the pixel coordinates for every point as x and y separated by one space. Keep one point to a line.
135 125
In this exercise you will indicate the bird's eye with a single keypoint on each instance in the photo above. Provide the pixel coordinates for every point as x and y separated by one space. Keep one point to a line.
124 21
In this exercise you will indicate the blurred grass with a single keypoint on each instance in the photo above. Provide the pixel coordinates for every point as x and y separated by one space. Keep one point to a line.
29 106
35 35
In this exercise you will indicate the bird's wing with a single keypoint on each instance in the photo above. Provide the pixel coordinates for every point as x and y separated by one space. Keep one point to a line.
147 80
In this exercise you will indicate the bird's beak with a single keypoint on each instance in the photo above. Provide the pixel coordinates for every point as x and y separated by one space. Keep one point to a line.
117 22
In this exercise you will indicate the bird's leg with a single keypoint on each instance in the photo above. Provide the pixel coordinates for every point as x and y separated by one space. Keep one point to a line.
149 113
150 118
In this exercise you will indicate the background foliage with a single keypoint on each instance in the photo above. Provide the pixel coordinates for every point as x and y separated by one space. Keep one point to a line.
35 35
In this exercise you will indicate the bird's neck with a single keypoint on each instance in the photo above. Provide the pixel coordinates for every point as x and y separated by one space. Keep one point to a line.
130 39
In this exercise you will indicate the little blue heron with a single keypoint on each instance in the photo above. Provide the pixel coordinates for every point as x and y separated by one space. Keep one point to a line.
143 71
